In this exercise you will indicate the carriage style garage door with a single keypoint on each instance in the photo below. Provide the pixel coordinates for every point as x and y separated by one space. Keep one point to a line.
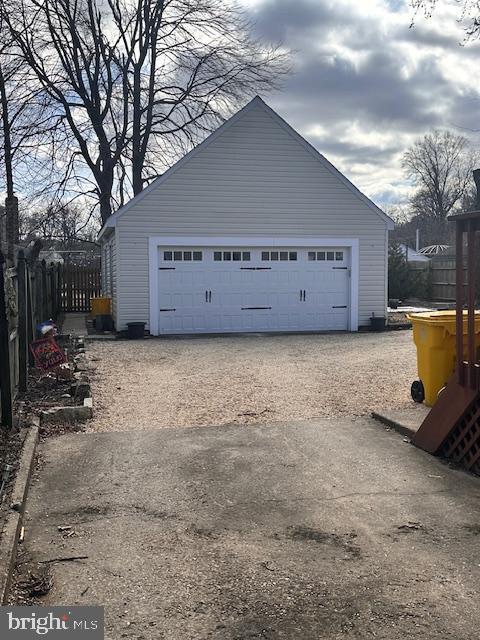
228 289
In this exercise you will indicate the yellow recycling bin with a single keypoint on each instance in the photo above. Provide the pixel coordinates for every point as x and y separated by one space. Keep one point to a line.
101 306
434 336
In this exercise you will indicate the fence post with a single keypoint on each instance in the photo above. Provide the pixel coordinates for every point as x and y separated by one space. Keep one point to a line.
69 286
51 273
59 289
22 321
5 372
44 304
38 294
30 310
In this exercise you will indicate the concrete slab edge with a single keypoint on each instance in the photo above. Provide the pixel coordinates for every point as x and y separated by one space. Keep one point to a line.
13 525
394 424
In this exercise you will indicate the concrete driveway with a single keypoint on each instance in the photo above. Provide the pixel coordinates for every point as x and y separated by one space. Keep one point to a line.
302 531
250 379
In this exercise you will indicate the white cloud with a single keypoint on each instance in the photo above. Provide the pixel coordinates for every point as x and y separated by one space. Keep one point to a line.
366 84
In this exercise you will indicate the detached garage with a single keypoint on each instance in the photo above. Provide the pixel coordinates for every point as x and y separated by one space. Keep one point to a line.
253 230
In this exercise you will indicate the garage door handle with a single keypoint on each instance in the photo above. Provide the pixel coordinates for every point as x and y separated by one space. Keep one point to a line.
209 296
303 295
206 296
340 307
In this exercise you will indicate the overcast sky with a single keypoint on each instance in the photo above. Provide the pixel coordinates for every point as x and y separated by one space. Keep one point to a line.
365 85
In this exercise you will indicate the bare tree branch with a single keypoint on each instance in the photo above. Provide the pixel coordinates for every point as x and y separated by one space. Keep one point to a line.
134 82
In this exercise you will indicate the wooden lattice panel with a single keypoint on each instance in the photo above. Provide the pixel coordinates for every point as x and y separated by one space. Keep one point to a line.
463 443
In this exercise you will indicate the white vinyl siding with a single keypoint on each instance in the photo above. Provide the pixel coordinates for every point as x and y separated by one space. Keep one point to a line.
255 179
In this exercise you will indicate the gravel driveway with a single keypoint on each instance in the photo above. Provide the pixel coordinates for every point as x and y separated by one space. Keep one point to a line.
252 379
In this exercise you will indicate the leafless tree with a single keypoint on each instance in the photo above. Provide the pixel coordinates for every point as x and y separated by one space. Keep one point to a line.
400 213
134 81
468 13
9 226
440 167
62 227
24 127
63 222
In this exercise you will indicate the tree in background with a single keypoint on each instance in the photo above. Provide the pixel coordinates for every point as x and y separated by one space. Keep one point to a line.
440 167
469 13
398 273
404 282
63 227
136 82
25 136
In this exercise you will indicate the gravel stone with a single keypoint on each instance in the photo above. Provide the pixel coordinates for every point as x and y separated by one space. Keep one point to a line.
254 379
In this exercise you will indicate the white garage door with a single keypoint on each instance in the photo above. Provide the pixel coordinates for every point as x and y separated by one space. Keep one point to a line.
215 290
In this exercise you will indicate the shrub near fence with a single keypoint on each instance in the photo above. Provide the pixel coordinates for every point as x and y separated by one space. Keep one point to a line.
29 294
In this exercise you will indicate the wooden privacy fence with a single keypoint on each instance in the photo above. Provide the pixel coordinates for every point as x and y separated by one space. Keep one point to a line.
441 274
29 294
444 278
79 284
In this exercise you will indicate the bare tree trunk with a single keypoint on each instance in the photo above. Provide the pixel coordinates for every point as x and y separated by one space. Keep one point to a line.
11 217
7 142
105 184
11 202
138 159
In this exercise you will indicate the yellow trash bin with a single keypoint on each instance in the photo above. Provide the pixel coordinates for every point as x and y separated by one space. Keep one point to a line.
101 306
434 336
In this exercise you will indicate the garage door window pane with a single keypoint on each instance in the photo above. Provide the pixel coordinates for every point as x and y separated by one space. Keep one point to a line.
187 255
339 255
177 255
292 255
167 255
237 256
311 255
321 255
265 255
217 256
283 255
274 255
246 256
227 255
330 255
197 256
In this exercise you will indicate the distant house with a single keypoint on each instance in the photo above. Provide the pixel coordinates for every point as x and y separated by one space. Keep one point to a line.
50 255
253 230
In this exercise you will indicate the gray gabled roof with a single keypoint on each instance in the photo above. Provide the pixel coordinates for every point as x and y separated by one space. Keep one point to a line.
257 101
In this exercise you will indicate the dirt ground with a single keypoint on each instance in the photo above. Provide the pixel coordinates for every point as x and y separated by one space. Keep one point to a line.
256 379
